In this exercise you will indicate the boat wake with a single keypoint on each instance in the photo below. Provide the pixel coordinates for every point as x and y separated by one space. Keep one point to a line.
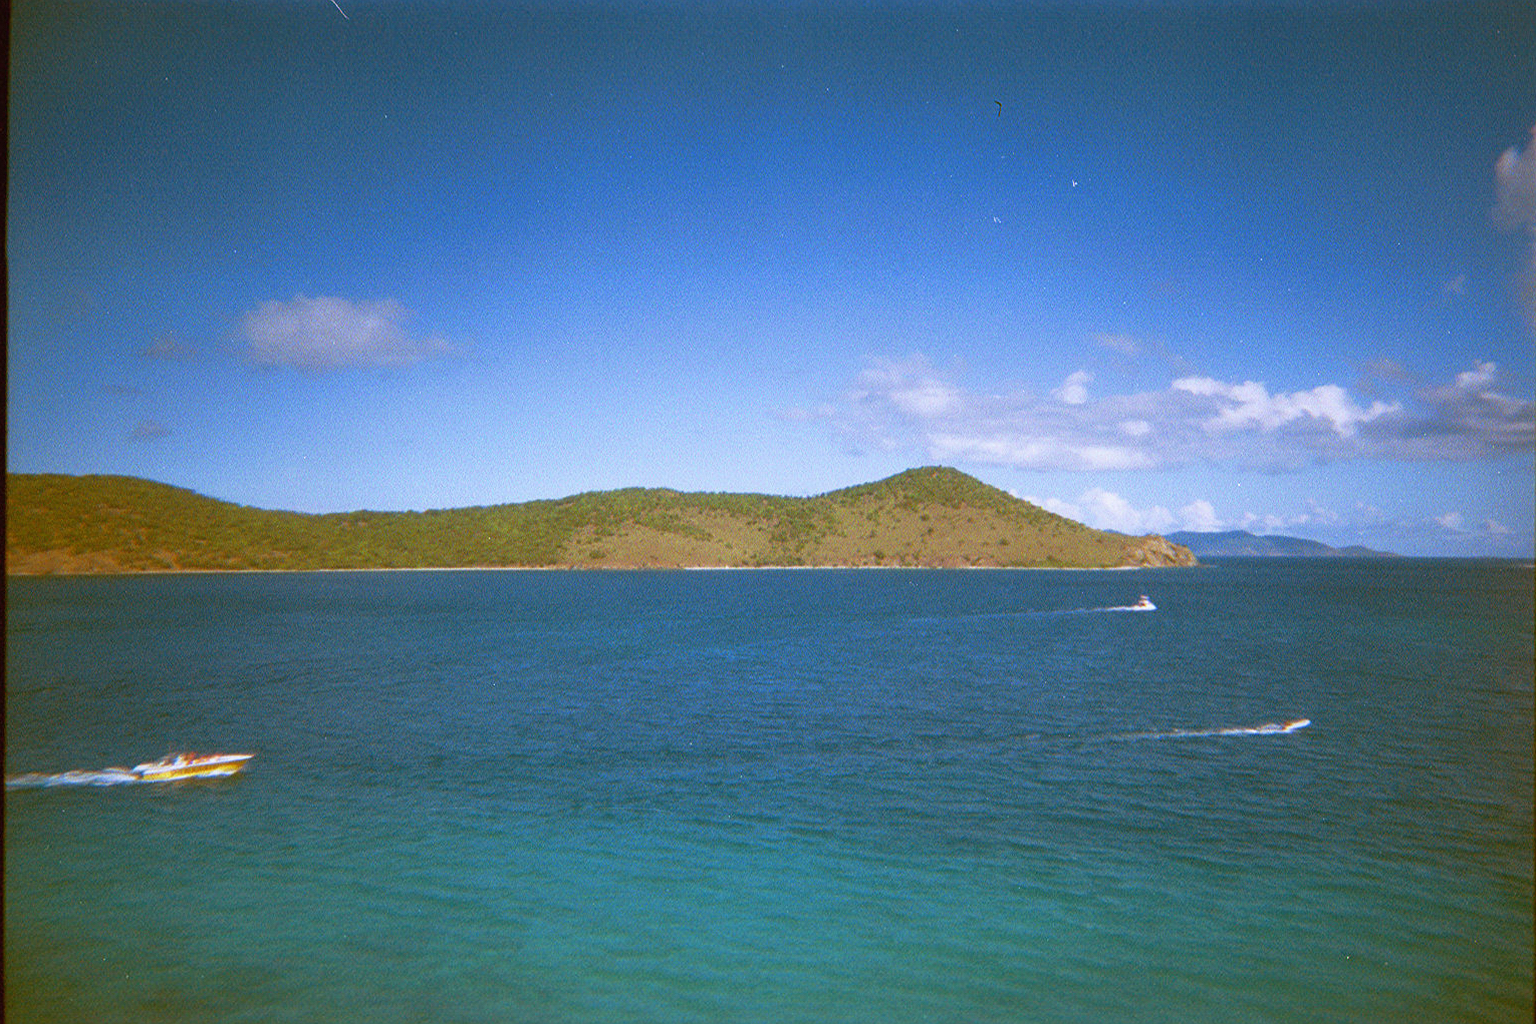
1267 729
1037 614
1143 604
97 777
1063 612
170 768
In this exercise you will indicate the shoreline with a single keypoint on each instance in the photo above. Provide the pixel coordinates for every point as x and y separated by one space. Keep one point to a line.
1514 563
611 568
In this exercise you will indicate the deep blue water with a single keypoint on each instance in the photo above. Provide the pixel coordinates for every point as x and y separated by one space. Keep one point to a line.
779 795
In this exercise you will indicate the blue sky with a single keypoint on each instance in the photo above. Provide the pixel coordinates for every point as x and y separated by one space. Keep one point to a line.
1155 266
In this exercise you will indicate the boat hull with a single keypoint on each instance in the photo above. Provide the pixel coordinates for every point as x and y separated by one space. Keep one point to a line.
212 766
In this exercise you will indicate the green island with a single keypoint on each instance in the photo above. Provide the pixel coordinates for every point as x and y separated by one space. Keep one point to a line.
932 517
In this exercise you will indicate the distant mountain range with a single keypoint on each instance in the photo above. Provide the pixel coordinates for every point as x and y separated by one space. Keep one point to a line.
934 517
1241 542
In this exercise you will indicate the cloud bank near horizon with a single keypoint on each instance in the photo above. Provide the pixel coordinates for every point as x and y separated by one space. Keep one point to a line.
1106 510
909 404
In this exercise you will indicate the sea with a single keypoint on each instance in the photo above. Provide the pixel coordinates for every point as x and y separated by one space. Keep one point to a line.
1297 790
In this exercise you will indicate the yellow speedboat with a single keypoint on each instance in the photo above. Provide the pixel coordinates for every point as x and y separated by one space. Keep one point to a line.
191 766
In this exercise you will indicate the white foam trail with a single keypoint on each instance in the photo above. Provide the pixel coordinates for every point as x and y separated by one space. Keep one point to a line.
1267 729
1036 613
79 777
1096 611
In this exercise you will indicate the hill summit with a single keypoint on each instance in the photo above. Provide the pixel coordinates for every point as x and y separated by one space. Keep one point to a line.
930 517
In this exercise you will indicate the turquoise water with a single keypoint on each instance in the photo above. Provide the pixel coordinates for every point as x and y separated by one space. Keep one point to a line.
793 796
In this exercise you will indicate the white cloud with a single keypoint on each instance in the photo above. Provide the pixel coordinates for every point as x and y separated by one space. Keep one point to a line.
330 333
1040 453
1265 523
1470 412
1056 505
1515 207
1251 405
909 404
1109 511
911 386
1515 187
1319 514
1486 533
1479 377
928 400
1073 390
1106 510
1200 516
1363 524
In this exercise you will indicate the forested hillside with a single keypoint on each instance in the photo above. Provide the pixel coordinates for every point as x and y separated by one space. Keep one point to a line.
923 517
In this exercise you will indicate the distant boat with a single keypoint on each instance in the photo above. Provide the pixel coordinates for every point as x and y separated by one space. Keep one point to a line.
191 766
1144 604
